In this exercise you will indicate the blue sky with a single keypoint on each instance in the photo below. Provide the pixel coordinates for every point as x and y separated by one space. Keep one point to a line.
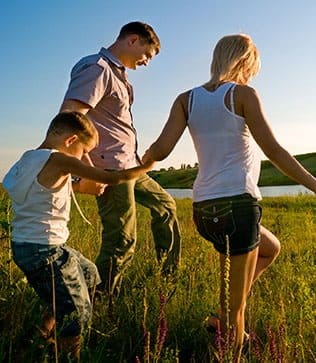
41 40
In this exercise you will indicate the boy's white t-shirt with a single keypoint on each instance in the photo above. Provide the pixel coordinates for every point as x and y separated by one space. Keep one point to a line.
40 214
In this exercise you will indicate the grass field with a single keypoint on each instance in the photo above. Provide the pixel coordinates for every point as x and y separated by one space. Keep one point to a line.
161 320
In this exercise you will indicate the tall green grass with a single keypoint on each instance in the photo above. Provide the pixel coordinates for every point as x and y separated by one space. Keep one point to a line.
158 319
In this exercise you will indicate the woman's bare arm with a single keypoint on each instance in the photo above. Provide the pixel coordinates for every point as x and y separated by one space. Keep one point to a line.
171 132
263 135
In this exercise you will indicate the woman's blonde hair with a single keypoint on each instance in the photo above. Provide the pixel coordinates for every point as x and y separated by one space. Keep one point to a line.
235 59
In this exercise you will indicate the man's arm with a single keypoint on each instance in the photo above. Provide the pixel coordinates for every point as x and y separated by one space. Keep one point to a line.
84 185
74 105
78 106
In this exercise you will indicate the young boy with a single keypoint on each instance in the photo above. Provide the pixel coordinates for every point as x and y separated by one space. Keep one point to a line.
40 187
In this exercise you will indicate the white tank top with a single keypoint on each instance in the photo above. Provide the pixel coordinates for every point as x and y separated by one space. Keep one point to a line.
229 162
40 214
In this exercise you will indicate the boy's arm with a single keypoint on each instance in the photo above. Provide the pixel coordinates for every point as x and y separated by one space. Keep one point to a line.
70 165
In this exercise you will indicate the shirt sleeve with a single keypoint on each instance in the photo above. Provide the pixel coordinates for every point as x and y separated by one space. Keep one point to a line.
87 84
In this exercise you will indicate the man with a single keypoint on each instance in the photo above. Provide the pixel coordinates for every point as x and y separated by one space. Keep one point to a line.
100 89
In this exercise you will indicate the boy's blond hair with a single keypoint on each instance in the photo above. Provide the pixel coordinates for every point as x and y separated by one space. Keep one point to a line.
76 123
235 59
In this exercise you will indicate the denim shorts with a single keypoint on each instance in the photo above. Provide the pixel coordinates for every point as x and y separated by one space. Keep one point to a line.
60 275
230 221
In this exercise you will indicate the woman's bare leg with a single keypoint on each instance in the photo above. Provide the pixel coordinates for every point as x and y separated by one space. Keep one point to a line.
269 248
241 275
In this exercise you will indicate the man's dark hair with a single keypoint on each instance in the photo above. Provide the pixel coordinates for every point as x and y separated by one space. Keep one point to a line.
145 31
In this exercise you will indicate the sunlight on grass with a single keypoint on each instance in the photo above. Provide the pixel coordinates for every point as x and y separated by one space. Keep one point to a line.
160 319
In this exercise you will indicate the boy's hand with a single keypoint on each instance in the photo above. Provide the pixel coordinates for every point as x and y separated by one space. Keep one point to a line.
89 187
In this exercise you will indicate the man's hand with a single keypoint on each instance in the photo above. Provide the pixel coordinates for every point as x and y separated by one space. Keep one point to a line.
89 187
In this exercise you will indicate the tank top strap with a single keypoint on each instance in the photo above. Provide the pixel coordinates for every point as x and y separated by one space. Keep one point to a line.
190 101
231 98
224 89
221 91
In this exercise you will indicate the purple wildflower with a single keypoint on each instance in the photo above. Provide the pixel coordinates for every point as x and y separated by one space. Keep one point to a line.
255 346
162 326
272 344
218 343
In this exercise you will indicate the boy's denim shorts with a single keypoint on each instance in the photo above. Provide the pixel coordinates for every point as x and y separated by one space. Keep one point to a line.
235 220
62 276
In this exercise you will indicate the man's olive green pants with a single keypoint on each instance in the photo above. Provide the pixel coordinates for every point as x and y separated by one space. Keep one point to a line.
117 209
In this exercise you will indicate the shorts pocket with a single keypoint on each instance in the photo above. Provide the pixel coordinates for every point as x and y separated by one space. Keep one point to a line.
217 222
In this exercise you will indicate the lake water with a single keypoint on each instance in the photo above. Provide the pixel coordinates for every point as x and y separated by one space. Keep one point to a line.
275 191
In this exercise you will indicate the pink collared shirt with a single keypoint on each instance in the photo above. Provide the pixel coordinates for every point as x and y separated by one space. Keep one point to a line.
100 81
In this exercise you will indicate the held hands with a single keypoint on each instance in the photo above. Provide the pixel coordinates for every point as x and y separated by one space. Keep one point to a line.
147 159
147 165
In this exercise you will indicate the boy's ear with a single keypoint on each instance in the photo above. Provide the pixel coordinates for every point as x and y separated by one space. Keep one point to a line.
71 139
132 39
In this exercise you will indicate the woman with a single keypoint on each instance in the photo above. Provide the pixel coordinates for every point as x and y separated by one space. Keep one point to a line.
224 116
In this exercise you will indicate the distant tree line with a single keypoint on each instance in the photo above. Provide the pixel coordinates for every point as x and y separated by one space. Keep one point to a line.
182 167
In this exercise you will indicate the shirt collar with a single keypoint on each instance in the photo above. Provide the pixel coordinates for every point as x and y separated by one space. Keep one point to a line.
107 54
